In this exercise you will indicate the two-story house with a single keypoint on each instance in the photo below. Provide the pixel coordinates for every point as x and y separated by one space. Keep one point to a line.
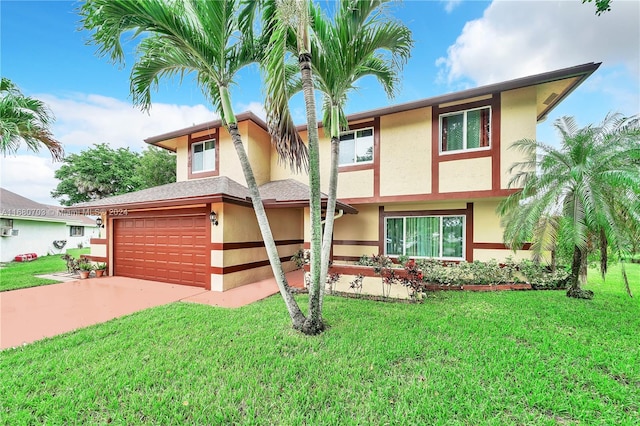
421 179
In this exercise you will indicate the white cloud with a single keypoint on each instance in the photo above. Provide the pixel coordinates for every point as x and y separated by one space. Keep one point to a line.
255 107
449 5
85 119
519 38
82 120
30 176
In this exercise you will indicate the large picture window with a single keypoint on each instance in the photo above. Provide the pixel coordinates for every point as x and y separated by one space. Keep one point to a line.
203 156
465 130
356 147
439 237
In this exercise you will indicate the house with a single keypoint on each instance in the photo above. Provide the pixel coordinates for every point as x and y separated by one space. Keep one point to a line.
30 227
421 179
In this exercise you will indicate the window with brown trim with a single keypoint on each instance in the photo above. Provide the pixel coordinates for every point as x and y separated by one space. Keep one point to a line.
439 237
356 147
203 156
465 130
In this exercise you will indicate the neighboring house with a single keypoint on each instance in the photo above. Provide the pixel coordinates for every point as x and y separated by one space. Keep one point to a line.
424 178
30 227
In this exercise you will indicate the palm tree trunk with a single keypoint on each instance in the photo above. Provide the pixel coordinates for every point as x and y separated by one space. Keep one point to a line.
296 315
331 207
313 323
574 283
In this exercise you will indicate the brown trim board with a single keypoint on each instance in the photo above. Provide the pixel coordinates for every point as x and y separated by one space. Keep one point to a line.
250 244
244 267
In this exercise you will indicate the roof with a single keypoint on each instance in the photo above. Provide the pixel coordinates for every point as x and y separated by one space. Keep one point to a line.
282 193
547 100
14 206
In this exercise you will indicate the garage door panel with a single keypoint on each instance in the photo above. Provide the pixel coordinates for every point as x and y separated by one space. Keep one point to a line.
164 248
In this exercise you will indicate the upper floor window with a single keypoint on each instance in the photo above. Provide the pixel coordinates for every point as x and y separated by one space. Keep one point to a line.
439 237
203 156
76 231
356 147
465 130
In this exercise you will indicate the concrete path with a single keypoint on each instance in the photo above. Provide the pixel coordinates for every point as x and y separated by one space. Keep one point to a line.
31 314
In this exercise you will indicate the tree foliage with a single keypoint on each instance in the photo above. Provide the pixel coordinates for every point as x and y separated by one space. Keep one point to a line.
601 5
585 193
102 171
25 119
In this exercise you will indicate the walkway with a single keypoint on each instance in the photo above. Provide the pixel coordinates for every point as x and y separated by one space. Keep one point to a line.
31 314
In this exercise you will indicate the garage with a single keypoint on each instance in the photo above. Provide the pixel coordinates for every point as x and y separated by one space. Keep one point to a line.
168 247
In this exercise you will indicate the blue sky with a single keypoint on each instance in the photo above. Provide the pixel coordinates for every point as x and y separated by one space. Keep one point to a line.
458 45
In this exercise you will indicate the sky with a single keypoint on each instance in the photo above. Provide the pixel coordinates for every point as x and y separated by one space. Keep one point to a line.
458 45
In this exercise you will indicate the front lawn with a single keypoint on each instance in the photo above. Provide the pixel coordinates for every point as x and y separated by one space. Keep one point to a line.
17 275
534 357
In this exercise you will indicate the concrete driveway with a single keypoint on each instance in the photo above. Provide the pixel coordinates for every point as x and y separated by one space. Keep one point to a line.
31 314
34 313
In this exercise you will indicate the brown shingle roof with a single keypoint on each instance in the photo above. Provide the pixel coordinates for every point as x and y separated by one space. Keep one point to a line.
16 206
282 193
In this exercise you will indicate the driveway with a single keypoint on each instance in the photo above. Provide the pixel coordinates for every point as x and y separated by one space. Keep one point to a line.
34 313
30 314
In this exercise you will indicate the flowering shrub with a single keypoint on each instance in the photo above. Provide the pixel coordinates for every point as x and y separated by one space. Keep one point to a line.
432 271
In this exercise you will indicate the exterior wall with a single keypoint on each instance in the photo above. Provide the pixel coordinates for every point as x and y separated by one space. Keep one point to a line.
238 255
364 233
34 237
182 159
89 232
518 122
405 153
259 152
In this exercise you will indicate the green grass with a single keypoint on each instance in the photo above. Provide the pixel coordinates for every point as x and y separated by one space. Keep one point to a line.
17 275
459 358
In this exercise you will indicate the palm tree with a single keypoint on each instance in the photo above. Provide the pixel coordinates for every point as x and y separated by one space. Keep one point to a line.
182 37
591 185
332 55
23 118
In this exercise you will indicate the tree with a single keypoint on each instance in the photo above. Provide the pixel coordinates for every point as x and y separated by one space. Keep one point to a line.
332 54
590 187
601 5
182 37
95 173
156 167
25 119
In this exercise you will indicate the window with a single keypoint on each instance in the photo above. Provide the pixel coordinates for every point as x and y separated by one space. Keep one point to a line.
203 156
465 130
76 231
356 147
425 236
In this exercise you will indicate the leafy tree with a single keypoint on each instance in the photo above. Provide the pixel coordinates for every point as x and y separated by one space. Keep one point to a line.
157 166
590 188
200 37
25 119
95 173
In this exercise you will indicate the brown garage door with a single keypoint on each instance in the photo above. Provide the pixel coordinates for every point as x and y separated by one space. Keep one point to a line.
169 248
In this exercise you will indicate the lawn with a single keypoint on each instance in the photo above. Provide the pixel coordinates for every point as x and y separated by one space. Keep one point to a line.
533 357
21 274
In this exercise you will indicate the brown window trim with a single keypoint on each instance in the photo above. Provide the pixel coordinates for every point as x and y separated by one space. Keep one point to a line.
494 104
191 140
375 124
468 228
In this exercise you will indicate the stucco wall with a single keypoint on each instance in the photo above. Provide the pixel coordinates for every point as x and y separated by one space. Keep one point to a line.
466 175
518 122
405 153
182 159
237 225
34 237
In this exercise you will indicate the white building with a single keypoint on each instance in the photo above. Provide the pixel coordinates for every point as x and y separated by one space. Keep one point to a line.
30 227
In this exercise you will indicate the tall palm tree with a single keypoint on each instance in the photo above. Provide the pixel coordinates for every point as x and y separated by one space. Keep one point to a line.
182 37
25 119
333 53
590 183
